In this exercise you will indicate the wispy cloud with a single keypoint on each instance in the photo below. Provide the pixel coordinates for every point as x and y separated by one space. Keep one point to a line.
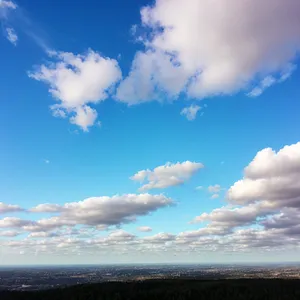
15 18
190 112
271 80
12 36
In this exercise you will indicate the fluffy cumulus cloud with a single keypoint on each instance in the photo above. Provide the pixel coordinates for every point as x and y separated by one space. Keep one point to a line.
204 49
272 177
190 112
167 175
77 82
268 197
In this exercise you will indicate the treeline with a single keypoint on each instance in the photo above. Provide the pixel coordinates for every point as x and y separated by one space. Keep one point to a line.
253 289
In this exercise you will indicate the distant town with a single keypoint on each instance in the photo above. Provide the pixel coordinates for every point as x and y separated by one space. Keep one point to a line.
40 278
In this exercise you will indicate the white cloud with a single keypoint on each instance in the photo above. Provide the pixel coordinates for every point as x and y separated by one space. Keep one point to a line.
85 117
263 214
9 233
7 4
200 187
167 175
215 196
271 80
230 217
159 238
41 234
6 7
204 50
9 208
264 84
11 36
76 82
99 211
268 196
270 176
151 76
145 229
46 208
190 112
11 222
214 188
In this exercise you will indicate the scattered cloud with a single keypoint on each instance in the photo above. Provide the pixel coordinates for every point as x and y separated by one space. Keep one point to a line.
268 197
46 208
6 7
11 36
214 188
159 238
200 187
203 51
42 234
76 82
271 80
7 4
262 214
9 233
145 229
11 222
190 112
167 175
215 196
99 211
9 208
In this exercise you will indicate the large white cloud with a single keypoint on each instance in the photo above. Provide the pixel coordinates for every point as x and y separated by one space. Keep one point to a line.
167 175
270 176
99 211
268 197
207 48
76 82
228 217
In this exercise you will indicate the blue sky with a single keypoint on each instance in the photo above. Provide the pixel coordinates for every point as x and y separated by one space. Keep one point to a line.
93 93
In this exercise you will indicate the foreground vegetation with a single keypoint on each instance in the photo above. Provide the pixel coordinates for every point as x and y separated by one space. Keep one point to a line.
253 289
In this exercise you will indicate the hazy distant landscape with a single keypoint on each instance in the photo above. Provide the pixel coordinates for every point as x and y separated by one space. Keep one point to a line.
45 277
